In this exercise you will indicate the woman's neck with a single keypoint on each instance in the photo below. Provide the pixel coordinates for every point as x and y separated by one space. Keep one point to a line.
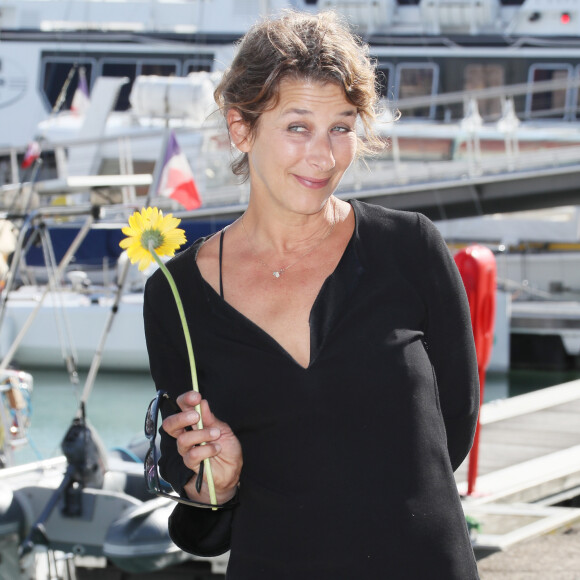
289 233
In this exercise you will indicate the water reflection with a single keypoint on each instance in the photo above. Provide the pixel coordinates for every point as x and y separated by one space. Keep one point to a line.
116 408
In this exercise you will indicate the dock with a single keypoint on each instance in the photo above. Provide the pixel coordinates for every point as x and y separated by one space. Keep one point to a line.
529 463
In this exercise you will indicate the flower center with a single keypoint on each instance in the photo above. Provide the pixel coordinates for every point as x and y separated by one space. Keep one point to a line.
151 239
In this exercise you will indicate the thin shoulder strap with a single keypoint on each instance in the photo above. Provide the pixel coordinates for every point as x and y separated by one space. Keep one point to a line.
220 261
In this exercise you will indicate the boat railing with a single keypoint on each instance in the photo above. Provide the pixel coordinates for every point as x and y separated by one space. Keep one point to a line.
424 150
496 92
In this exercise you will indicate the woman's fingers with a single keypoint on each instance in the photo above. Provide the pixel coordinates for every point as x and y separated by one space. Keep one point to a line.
215 440
195 456
188 439
188 418
209 419
174 425
195 446
189 399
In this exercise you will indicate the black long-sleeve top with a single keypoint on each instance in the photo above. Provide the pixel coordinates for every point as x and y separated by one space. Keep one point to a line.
348 464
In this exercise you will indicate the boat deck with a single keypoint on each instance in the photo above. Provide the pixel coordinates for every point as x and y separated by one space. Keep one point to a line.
529 461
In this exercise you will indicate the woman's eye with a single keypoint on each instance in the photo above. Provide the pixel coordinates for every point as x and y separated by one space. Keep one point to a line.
304 129
297 128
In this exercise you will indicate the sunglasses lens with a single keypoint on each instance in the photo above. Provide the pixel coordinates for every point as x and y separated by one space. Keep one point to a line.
161 488
150 471
151 419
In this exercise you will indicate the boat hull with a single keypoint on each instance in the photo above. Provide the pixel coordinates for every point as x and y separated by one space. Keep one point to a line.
72 323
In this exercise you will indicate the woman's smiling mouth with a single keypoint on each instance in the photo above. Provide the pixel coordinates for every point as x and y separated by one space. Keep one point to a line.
311 182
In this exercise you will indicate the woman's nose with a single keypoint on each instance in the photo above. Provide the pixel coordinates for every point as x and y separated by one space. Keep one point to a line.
320 154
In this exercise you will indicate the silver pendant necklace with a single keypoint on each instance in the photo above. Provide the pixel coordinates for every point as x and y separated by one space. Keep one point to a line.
278 273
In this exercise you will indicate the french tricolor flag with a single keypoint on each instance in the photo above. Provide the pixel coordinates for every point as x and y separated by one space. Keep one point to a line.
176 179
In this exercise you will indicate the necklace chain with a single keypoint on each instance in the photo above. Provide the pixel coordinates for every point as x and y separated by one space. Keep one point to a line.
277 273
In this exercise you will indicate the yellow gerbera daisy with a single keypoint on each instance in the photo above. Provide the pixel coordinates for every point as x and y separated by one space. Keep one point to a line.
150 234
150 230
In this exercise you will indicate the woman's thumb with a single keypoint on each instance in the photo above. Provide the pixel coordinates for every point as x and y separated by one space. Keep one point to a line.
208 418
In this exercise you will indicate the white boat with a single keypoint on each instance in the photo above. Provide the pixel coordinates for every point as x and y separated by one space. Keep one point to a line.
69 322
490 74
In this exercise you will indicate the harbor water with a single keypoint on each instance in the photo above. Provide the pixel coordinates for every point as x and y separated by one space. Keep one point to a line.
116 408
117 405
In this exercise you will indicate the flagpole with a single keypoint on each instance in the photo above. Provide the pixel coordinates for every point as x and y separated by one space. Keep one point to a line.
158 169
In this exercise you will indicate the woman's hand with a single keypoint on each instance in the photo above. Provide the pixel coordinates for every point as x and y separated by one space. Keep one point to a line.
220 444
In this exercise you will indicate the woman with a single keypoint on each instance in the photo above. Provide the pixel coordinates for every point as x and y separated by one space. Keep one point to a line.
333 342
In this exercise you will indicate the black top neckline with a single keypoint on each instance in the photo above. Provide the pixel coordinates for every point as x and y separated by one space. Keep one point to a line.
335 289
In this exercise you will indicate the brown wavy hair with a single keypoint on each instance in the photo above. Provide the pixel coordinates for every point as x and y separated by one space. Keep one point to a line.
314 47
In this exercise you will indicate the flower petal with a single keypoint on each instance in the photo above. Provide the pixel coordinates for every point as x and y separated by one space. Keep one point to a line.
151 225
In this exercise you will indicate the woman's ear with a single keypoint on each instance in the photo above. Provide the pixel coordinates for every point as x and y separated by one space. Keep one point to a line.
239 130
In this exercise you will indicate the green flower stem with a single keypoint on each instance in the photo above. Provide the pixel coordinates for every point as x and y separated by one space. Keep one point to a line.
207 465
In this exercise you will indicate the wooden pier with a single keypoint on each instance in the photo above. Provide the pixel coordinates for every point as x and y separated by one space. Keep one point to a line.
529 461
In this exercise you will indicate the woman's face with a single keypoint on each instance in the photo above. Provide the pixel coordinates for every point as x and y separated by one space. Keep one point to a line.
302 147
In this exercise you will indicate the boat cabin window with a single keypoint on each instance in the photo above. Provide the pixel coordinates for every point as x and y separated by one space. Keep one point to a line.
386 77
131 69
196 66
162 70
485 76
554 102
417 80
121 69
55 72
56 67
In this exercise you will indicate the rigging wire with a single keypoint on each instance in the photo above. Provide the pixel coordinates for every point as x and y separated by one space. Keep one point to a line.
63 328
